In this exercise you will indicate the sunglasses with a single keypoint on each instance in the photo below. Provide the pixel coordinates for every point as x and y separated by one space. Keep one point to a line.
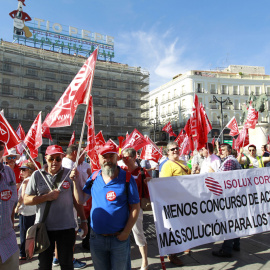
175 148
2 147
9 158
23 169
58 159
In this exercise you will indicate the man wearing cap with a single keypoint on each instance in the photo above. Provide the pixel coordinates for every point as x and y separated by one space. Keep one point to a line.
252 160
60 220
115 209
9 251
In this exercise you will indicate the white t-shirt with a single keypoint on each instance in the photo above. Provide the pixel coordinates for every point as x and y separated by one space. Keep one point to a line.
212 161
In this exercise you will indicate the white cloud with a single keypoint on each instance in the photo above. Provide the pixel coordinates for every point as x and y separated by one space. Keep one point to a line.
162 54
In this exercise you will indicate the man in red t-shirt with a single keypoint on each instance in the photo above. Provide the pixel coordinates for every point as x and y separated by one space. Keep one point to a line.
129 157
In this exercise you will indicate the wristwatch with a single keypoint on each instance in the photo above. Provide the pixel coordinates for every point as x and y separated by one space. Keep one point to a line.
84 220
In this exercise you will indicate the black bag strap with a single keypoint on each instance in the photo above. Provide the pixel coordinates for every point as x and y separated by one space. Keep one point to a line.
48 204
143 176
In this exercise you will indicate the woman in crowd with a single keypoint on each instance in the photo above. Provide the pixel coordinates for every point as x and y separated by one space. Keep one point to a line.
26 213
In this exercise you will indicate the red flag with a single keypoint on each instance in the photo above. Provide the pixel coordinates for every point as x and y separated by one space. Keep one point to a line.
46 133
187 129
77 92
151 151
72 139
135 140
121 139
99 140
7 133
213 142
180 138
91 141
168 128
127 135
20 132
92 154
185 148
242 139
252 118
34 153
33 139
232 125
206 125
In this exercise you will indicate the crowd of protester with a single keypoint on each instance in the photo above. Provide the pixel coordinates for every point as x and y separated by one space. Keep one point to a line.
104 206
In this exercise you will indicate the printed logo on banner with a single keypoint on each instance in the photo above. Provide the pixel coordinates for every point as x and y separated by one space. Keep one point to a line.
5 195
111 196
213 186
4 132
66 185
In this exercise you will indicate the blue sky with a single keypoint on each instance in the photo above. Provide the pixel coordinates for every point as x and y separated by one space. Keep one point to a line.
165 37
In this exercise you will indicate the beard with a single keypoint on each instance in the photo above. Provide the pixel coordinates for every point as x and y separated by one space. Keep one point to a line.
109 169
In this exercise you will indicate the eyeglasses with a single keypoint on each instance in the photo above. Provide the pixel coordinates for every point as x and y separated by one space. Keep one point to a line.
9 158
2 147
175 148
23 169
58 159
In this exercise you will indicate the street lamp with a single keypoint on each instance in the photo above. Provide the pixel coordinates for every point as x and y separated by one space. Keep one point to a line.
156 123
227 102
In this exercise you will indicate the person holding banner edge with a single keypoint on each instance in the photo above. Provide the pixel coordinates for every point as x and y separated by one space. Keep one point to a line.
229 163
174 167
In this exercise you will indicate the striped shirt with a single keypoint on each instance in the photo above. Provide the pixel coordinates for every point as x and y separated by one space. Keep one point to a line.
8 199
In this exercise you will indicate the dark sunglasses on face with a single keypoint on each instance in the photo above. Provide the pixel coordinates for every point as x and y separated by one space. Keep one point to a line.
2 147
58 159
24 169
175 148
9 158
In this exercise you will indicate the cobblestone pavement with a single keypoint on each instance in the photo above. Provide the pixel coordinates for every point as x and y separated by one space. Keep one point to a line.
254 254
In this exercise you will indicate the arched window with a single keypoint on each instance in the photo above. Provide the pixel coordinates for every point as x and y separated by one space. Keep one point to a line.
97 117
111 118
30 111
47 110
129 119
5 107
175 107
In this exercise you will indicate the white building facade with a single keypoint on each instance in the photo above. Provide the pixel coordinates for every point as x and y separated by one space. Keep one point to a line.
173 101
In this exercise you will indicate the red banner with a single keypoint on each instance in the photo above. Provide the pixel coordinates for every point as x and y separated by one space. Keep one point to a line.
46 133
252 118
7 133
232 125
180 138
151 151
135 140
77 92
33 139
20 132
168 128
100 141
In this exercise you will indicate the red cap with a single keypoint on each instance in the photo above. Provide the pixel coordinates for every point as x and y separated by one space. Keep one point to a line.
54 149
108 147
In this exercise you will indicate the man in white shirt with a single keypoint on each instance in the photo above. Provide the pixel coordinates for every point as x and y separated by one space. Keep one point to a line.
211 162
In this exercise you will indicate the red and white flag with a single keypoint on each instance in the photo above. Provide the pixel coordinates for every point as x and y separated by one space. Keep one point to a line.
184 147
206 125
168 128
232 125
33 139
242 139
92 154
180 138
46 133
190 141
252 118
100 141
135 140
72 139
77 93
20 132
151 151
91 140
7 133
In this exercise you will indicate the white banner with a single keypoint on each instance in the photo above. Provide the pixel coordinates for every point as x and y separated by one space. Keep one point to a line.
192 210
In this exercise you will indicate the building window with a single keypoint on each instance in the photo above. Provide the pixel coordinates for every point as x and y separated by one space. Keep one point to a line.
257 90
30 111
49 87
267 90
235 90
213 89
32 72
129 119
224 89
5 107
169 95
163 97
169 109
6 90
175 93
111 118
97 117
50 75
246 91
199 87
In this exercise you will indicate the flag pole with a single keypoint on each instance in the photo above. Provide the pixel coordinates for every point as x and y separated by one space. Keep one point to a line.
221 132
37 167
85 114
